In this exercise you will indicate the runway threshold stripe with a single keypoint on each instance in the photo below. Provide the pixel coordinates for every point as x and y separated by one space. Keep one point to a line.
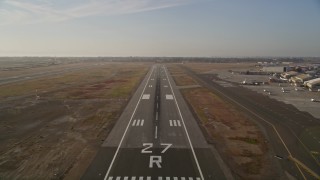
142 122
179 124
134 123
149 178
138 123
170 121
174 123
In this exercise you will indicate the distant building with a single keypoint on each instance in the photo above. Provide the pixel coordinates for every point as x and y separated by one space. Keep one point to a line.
277 69
274 69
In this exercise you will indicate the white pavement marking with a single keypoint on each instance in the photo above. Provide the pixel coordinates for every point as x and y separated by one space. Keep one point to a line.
146 96
142 122
126 130
150 178
134 123
185 128
169 96
156 133
179 124
175 123
138 123
165 86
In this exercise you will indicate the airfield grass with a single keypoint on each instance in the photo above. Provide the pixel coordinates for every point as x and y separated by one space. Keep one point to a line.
57 136
234 132
180 77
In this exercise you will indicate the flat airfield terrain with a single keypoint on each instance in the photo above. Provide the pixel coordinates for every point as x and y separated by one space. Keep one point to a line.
55 115
84 119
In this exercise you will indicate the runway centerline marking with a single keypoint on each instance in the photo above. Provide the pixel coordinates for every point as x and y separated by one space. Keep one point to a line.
126 130
156 133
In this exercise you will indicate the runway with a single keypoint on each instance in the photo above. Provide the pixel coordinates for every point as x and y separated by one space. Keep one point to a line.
156 137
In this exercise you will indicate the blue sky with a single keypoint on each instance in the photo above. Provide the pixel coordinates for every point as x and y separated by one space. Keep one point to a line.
225 28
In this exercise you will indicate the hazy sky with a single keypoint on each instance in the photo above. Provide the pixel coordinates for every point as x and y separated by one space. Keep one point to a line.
160 28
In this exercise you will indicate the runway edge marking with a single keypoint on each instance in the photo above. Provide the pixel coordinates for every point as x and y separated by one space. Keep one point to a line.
125 132
185 128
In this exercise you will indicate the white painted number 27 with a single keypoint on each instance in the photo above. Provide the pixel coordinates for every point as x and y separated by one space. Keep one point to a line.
148 147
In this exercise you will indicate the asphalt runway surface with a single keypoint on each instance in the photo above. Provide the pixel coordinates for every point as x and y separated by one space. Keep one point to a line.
156 137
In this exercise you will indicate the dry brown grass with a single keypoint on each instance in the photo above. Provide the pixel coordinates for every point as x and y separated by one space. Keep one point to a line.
237 138
180 76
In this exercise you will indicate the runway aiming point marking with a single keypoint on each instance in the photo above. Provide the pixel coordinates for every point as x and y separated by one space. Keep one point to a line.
169 96
146 96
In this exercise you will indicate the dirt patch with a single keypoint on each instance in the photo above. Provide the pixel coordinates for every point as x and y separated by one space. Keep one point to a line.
57 135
